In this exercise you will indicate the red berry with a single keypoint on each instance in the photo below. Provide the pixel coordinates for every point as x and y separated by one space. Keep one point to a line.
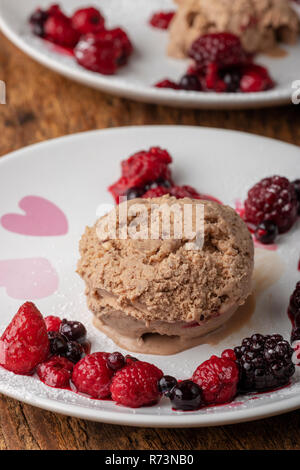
88 20
24 344
120 39
56 372
229 354
141 169
58 29
185 191
273 199
98 54
218 379
92 375
136 385
255 78
52 323
166 83
162 19
156 192
223 49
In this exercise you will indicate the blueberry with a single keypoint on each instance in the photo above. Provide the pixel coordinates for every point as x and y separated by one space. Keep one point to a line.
73 331
74 352
266 232
116 361
134 193
231 78
190 82
58 343
166 384
186 396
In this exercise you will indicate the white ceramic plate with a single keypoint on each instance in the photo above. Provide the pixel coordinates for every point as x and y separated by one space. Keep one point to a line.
149 63
38 253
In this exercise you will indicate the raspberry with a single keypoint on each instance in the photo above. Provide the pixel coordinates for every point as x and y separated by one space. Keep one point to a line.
222 49
52 323
166 83
24 344
56 372
120 39
92 375
136 385
162 19
98 54
212 80
58 29
229 354
218 378
88 20
142 169
265 363
294 306
272 199
104 52
185 191
255 78
156 192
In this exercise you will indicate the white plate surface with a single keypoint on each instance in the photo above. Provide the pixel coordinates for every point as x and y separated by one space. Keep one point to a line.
73 173
149 63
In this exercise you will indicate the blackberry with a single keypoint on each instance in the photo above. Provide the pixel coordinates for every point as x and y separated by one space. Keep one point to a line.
294 305
295 335
266 232
186 396
272 199
265 363
73 331
296 185
166 384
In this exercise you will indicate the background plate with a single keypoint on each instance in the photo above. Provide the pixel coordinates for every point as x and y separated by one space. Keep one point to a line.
149 63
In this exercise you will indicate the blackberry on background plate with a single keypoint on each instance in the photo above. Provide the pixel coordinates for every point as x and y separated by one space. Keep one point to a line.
265 363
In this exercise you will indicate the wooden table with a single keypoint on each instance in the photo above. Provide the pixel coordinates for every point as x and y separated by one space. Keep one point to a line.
42 105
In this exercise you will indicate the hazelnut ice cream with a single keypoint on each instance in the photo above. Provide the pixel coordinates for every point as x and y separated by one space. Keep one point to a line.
161 295
260 24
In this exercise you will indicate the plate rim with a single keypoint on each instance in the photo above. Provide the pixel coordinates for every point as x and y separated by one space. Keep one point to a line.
144 94
180 420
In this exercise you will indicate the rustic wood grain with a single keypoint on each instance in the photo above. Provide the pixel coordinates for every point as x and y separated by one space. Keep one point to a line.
42 105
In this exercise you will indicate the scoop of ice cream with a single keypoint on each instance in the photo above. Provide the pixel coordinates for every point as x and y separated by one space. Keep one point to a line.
168 279
260 24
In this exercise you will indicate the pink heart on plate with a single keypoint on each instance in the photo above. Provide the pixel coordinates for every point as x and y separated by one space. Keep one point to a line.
42 218
29 278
